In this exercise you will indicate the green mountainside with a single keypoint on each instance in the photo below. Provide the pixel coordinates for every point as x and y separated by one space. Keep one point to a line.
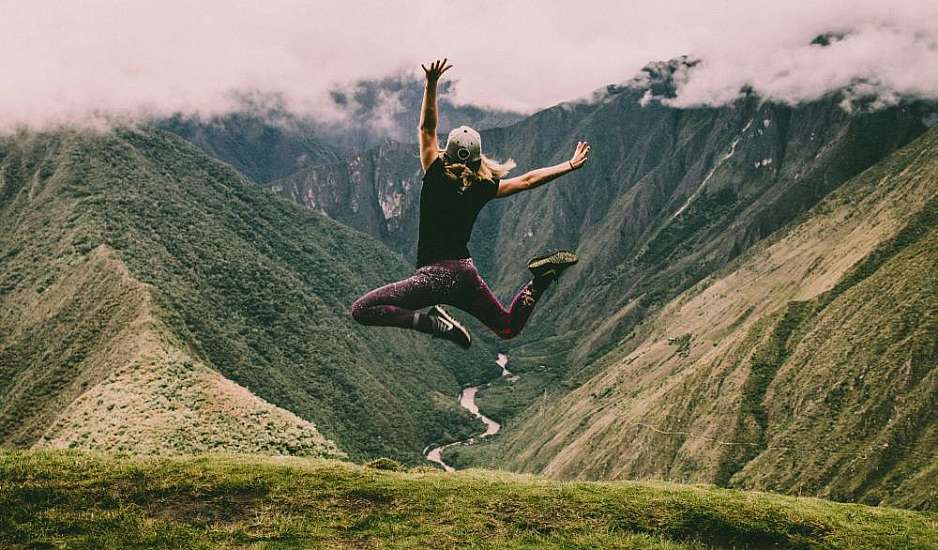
87 501
262 145
670 198
671 201
809 365
153 300
375 192
754 305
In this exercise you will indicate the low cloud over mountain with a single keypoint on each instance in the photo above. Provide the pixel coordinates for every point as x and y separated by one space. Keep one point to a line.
68 62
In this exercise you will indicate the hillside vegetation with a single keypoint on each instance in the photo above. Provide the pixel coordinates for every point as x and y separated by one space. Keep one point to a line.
80 500
375 192
262 144
807 366
153 300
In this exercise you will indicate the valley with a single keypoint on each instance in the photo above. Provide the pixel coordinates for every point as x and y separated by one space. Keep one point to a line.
678 201
729 307
467 400
687 253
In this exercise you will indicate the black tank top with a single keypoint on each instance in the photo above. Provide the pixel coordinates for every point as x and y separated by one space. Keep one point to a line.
447 214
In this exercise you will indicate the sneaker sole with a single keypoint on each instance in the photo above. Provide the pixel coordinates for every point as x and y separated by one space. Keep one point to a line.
563 257
442 313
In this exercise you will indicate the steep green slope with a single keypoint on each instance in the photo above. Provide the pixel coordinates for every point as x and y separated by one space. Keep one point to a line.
261 145
860 368
670 197
95 501
373 192
88 364
807 366
131 252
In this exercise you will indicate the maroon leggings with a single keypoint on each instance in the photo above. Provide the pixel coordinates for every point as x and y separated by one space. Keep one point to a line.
453 282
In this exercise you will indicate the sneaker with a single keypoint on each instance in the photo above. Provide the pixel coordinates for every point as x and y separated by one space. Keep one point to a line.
550 267
445 326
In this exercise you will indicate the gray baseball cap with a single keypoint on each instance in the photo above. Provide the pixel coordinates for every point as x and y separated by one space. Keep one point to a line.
464 145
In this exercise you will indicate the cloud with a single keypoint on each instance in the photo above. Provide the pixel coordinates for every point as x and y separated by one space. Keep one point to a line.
875 62
68 61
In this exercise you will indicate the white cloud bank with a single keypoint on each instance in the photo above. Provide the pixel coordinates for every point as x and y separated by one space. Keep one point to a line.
878 61
61 61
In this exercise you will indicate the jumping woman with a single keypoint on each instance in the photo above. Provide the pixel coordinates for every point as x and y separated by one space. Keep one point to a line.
458 181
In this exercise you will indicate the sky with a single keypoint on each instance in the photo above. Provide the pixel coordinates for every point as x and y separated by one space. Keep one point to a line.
67 61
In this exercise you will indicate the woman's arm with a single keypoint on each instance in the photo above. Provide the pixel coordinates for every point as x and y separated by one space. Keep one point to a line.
429 147
534 178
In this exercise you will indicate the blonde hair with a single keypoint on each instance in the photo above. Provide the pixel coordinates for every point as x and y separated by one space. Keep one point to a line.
488 170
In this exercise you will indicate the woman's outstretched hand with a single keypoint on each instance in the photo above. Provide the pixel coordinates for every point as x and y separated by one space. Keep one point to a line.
436 69
581 155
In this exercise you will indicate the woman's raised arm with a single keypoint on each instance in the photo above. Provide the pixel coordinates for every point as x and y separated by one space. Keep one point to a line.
540 176
429 147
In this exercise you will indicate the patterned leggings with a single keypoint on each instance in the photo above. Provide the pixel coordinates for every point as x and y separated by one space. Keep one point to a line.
453 282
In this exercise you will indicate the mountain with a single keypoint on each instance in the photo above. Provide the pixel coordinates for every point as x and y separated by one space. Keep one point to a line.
670 199
669 196
753 306
81 500
266 140
153 300
261 144
375 192
807 365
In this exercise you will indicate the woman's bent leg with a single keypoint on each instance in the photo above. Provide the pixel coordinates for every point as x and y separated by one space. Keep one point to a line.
394 305
479 300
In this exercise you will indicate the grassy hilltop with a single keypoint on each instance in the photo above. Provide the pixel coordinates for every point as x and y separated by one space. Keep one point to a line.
81 500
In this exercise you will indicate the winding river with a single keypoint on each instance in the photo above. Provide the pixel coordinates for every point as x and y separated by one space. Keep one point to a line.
467 400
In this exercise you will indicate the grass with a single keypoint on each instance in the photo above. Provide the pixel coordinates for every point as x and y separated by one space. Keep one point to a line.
67 499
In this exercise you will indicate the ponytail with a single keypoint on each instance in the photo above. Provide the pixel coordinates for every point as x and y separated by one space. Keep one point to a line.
488 169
